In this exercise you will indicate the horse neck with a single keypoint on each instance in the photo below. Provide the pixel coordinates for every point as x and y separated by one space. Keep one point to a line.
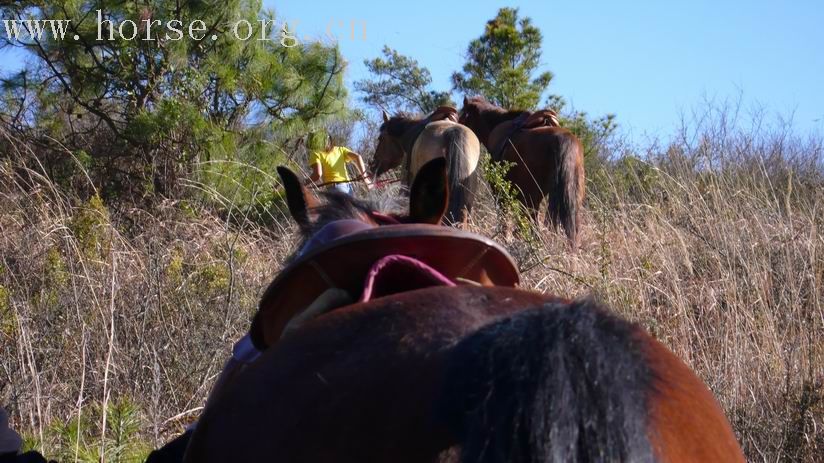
497 116
410 130
408 124
494 116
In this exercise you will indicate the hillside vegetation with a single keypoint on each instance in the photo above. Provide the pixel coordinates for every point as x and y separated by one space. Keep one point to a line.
139 223
114 321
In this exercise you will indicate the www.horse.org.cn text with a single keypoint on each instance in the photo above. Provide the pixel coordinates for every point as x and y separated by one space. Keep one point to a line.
150 29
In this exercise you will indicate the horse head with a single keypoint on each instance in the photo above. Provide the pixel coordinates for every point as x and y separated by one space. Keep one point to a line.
473 115
428 198
389 152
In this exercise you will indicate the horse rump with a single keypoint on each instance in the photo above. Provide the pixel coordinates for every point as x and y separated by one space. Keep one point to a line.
557 383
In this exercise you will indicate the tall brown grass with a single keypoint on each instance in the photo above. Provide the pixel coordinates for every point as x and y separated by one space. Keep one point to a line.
711 241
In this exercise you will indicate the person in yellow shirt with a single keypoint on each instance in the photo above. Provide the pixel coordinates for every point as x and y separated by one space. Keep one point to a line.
328 167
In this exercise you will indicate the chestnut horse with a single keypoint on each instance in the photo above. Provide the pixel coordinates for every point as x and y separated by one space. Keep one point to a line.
548 161
411 142
452 372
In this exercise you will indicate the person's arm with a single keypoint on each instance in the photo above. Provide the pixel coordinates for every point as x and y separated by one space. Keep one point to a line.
315 174
360 166
315 167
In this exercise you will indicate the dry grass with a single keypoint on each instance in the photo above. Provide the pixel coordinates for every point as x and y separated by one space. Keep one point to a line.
714 246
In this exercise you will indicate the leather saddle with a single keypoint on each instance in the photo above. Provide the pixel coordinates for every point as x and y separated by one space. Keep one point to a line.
344 261
526 121
443 113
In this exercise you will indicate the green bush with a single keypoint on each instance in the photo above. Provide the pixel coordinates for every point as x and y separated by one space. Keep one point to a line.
80 437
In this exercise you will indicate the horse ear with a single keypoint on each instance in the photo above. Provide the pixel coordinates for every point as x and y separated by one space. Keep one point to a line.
466 100
429 196
385 115
298 198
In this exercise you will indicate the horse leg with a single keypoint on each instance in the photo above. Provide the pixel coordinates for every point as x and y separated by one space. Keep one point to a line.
529 205
550 219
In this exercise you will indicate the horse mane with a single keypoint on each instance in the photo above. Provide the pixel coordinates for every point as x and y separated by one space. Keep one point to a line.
493 114
558 383
396 126
335 205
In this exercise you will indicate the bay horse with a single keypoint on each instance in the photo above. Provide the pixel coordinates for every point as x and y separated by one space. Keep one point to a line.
548 161
409 143
447 371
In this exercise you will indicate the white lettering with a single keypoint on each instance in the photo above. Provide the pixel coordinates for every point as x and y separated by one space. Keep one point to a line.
134 29
194 28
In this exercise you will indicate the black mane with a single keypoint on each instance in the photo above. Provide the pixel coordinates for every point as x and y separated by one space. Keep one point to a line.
398 125
335 205
558 383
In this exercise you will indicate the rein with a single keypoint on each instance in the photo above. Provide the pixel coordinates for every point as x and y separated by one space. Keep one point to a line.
359 178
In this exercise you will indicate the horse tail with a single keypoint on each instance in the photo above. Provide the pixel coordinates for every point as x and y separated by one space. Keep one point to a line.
462 161
557 383
566 193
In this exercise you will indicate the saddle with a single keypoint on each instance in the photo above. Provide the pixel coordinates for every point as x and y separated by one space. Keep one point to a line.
443 113
359 264
526 121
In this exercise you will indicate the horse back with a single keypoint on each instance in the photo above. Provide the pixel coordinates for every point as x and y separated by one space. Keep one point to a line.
363 384
530 145
356 384
686 423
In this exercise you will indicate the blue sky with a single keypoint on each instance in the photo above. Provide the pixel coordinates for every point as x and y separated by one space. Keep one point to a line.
644 61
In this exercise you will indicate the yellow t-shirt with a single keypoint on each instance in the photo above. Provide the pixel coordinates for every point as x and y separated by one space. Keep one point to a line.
332 164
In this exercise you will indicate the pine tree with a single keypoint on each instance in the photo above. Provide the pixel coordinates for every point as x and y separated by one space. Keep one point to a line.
147 110
500 64
400 84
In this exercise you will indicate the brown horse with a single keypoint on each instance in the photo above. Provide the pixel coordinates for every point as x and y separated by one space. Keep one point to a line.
548 161
448 372
411 142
